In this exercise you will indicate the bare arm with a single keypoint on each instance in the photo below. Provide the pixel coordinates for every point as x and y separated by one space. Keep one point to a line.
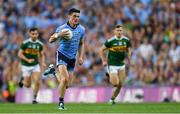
102 55
53 38
42 59
81 51
129 53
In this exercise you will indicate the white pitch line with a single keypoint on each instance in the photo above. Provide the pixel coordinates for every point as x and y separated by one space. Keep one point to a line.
86 113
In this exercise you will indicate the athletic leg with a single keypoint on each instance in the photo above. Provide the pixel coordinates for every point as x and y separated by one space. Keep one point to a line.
36 80
114 80
63 77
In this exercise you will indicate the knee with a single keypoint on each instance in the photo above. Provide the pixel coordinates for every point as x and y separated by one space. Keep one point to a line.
64 80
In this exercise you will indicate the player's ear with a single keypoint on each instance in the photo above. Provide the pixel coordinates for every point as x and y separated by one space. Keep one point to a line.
38 34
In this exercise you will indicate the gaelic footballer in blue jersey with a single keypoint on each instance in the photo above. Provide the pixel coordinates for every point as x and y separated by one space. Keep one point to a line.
67 51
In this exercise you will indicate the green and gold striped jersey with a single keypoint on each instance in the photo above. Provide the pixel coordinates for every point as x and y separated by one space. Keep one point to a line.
117 48
31 50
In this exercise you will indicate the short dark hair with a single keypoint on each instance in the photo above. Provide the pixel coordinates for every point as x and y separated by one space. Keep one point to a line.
73 10
33 29
118 26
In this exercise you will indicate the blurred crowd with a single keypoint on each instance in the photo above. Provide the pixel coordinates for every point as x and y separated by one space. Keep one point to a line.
153 27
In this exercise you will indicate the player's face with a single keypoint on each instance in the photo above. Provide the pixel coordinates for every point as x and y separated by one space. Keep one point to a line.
74 18
118 31
34 34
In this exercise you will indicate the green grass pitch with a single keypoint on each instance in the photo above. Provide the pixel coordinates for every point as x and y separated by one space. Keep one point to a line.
120 108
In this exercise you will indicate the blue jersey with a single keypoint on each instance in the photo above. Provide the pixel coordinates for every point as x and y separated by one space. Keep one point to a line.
70 47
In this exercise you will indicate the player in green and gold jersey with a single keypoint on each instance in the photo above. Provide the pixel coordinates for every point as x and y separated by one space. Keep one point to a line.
117 47
30 53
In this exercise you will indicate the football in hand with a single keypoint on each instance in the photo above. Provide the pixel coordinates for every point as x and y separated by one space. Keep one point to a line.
70 33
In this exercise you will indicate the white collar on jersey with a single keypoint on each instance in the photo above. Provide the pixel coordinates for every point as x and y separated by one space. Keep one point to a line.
117 37
33 41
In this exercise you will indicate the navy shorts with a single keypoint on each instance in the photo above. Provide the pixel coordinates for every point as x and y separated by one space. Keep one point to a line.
63 60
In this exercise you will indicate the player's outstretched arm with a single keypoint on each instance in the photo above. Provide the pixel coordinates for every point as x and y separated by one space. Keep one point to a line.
102 54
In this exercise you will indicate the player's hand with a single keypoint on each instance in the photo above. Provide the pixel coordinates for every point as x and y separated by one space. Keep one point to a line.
53 37
80 60
30 60
64 34
104 63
